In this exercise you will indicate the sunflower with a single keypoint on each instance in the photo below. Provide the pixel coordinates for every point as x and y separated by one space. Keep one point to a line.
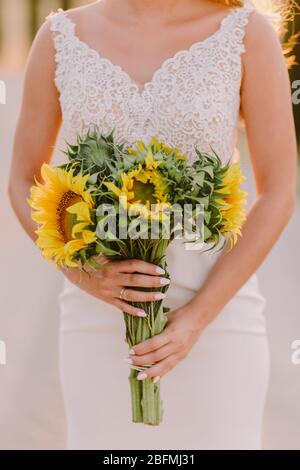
232 202
157 146
142 187
61 207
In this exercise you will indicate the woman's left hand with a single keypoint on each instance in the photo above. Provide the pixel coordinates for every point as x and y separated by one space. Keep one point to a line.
165 350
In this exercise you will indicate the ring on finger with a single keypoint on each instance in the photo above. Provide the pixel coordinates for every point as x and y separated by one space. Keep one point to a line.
122 291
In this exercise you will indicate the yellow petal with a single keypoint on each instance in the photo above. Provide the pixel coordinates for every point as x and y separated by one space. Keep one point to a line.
89 237
81 210
113 188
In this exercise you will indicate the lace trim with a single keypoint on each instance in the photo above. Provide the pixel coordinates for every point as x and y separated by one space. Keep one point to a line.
192 99
235 22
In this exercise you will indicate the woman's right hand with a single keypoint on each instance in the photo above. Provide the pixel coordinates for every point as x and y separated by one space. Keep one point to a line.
114 283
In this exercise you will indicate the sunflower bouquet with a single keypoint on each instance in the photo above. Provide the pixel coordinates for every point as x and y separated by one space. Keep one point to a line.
112 201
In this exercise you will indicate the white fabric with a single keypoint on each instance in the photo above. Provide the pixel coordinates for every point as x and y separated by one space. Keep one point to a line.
192 99
214 399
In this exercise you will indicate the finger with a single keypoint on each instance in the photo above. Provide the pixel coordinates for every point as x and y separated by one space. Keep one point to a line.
76 276
151 344
136 265
140 280
101 259
130 309
97 270
160 369
153 357
132 295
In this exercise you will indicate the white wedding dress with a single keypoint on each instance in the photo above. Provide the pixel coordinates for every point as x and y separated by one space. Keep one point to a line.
214 399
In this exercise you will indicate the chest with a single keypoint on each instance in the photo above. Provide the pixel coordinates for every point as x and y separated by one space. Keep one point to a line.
192 99
202 79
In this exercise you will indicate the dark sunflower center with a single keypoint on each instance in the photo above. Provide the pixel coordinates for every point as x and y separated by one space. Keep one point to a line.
144 192
66 221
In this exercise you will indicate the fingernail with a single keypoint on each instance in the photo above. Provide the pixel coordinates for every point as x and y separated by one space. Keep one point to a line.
160 270
131 351
164 281
142 376
159 296
128 360
156 379
141 313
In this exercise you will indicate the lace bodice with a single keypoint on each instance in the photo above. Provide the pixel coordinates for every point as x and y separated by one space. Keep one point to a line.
192 100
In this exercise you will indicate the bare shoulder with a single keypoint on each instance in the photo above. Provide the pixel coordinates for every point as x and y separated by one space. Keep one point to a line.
42 49
43 43
264 67
261 39
81 13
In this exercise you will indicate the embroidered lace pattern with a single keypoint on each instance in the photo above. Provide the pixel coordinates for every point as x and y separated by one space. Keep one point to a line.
192 100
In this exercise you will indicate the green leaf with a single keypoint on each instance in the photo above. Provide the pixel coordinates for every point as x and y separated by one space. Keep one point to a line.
93 263
199 178
105 250
207 233
207 217
93 178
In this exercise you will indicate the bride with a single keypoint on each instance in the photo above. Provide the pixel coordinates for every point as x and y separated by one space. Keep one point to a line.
185 71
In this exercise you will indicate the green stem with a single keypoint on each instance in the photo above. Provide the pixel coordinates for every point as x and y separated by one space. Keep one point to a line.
151 403
145 395
136 397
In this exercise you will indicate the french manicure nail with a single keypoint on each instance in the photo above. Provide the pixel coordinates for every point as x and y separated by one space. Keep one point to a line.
128 360
142 376
131 351
164 281
141 313
156 379
160 270
159 296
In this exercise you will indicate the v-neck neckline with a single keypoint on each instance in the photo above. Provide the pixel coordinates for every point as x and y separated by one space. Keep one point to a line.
139 87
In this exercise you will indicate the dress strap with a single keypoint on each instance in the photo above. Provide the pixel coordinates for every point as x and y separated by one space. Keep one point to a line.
60 23
63 30
232 30
240 20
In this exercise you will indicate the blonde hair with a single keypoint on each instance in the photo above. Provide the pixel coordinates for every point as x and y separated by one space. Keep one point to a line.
281 13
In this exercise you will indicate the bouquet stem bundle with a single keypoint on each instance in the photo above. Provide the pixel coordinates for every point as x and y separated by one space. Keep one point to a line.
149 177
147 406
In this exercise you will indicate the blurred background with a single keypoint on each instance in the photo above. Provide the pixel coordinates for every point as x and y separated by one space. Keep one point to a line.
31 405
